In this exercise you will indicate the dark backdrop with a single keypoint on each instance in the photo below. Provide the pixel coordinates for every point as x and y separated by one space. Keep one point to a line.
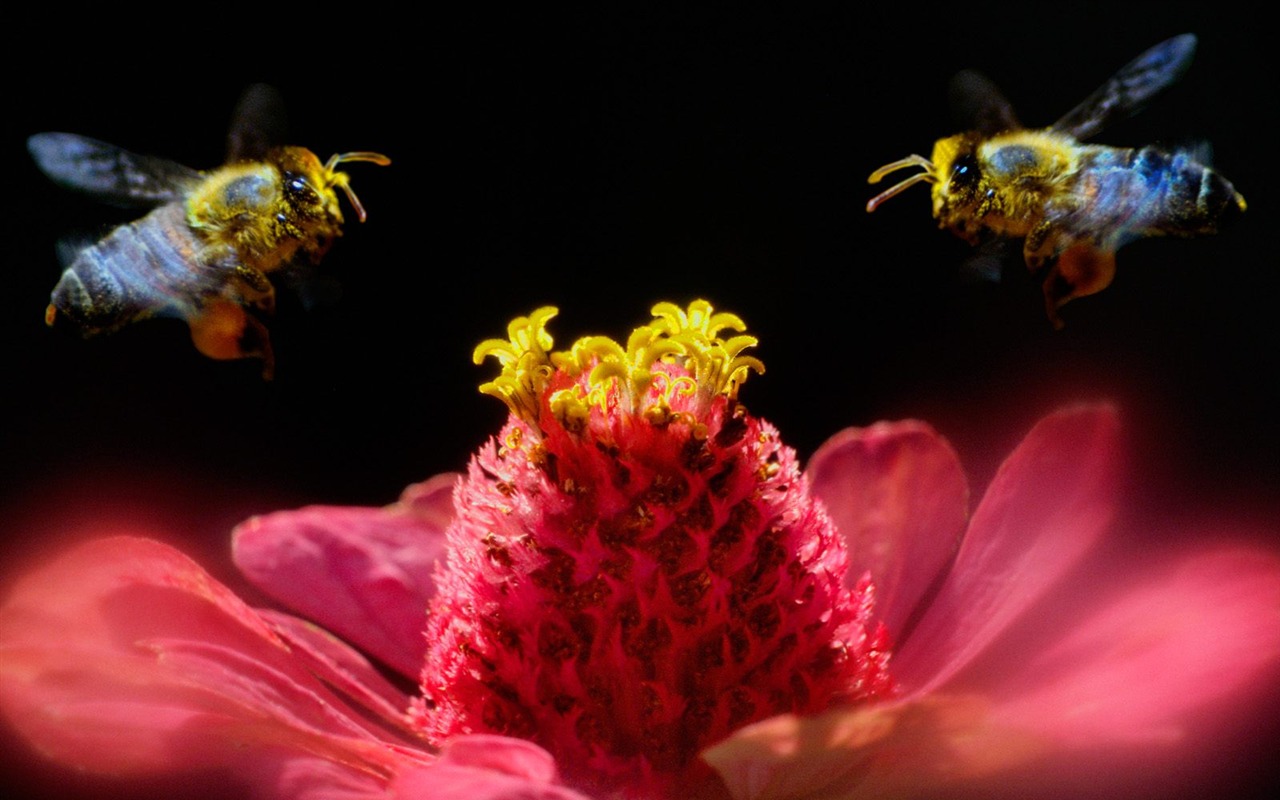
603 162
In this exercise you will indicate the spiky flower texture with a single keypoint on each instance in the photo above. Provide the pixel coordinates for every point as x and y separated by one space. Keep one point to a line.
637 567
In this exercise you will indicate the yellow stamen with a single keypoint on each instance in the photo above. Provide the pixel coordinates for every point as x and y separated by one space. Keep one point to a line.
689 337
525 363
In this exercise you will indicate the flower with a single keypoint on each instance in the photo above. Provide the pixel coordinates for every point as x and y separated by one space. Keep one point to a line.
635 592
636 567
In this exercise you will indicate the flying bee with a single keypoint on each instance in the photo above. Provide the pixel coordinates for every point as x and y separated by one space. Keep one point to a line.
1072 204
205 252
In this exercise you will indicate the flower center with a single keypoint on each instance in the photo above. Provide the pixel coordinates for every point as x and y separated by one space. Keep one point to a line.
636 567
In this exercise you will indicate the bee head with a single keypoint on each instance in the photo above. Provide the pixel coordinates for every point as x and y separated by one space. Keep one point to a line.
958 188
309 185
954 171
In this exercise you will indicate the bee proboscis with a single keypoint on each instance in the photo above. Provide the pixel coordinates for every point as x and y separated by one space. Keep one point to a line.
206 251
1073 204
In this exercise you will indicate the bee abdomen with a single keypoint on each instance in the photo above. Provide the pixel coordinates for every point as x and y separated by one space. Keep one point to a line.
1192 198
139 270
89 295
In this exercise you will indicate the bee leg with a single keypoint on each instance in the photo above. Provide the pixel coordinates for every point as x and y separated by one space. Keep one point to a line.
1082 269
1043 242
223 330
260 293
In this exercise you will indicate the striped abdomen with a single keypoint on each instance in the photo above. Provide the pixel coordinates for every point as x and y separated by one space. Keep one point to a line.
151 267
1131 193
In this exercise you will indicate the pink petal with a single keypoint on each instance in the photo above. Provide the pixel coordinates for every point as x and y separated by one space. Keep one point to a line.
1129 703
897 494
1046 506
916 749
123 656
486 768
1143 666
315 779
518 757
431 500
343 669
364 573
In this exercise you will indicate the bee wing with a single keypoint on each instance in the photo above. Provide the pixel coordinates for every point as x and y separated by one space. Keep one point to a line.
257 124
1131 88
109 173
314 290
70 245
988 262
980 105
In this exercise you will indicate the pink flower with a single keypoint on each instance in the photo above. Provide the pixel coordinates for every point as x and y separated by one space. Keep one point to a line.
635 592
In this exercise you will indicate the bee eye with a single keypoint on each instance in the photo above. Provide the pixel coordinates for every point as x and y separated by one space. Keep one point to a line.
299 190
965 172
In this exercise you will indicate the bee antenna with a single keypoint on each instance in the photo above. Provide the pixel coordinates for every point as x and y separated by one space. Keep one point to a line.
341 179
930 175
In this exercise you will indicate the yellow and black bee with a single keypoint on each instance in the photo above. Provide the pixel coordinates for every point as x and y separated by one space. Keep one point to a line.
205 252
1073 204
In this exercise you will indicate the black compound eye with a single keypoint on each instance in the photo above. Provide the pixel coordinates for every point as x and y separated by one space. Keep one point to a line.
299 191
965 172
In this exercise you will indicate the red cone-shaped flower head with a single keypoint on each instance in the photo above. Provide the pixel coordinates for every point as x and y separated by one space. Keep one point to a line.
636 567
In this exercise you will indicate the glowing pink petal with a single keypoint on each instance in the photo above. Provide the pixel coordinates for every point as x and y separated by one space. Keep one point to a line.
1112 710
486 768
1168 646
363 573
342 668
431 501
315 779
917 749
123 656
898 495
1046 506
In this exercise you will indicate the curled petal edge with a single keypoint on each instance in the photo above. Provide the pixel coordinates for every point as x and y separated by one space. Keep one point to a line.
366 574
123 656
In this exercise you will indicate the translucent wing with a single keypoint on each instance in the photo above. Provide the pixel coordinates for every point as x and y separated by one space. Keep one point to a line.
109 173
257 124
1131 88
312 289
70 245
979 104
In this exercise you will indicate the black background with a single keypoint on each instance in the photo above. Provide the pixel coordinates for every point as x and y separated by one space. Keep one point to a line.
602 162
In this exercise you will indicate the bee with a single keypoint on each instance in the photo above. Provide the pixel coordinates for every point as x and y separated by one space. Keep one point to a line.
1073 204
206 251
